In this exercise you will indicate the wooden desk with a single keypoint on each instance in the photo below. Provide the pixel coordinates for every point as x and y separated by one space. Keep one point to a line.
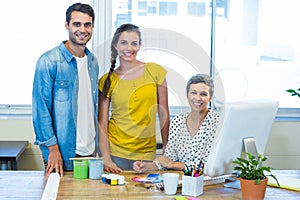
30 185
10 151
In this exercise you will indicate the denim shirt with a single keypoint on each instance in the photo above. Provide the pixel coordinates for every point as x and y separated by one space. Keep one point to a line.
54 101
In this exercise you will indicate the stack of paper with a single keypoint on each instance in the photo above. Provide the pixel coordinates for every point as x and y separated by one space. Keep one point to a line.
285 182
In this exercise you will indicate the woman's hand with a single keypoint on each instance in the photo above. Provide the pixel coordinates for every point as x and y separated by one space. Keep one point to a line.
165 161
139 167
111 167
142 167
169 164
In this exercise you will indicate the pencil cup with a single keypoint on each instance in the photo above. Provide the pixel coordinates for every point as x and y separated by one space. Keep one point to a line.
192 186
95 168
81 168
170 182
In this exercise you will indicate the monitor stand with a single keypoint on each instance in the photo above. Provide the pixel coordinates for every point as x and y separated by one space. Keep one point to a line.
250 147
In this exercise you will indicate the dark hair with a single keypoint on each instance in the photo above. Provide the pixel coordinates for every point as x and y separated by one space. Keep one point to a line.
84 8
201 78
114 52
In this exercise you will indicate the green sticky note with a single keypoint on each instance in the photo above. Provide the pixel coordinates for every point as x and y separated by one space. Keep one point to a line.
180 198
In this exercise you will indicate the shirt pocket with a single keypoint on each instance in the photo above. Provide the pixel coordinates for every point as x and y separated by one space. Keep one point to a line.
61 90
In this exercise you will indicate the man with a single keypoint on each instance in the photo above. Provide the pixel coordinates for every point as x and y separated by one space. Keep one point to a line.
65 95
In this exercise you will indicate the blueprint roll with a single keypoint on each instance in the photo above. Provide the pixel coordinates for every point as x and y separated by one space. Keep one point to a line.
51 188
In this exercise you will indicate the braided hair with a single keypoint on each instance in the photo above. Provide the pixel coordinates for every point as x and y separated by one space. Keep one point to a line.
114 52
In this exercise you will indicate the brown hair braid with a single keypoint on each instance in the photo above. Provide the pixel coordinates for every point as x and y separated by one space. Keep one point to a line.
114 52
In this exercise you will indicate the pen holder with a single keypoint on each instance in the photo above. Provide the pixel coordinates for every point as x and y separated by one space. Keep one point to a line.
192 186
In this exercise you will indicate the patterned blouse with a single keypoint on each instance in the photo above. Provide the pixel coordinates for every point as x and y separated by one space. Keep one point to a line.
182 147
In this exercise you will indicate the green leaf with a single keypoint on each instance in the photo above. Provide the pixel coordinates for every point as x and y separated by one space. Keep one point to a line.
290 90
294 92
257 181
252 168
274 177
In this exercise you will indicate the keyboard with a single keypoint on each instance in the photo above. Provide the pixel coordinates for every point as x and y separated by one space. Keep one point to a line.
218 179
206 179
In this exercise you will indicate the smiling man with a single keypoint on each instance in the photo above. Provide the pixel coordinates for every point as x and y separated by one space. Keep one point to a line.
65 95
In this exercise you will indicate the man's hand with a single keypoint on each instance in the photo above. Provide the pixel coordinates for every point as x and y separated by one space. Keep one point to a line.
55 162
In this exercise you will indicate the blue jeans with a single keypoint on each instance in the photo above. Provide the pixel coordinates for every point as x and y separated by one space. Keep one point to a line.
123 163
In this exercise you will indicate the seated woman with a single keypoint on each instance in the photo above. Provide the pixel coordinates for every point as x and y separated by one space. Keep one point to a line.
191 135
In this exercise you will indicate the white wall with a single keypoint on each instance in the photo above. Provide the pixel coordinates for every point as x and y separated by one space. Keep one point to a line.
22 129
283 146
282 149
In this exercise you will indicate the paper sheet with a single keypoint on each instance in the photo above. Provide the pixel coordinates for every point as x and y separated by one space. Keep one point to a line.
285 182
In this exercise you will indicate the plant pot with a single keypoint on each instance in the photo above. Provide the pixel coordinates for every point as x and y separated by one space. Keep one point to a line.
252 191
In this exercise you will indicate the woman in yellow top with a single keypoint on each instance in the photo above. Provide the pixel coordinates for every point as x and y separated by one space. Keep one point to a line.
135 92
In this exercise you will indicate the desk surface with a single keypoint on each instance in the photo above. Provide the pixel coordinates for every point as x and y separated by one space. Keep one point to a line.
30 185
11 150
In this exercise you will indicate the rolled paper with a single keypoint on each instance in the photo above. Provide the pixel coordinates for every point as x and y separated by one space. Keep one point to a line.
51 188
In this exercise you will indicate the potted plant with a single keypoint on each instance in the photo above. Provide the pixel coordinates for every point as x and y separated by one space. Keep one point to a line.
294 92
253 179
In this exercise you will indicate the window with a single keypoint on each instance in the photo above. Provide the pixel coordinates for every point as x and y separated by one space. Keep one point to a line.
221 8
147 8
167 8
256 50
30 28
252 57
254 45
196 9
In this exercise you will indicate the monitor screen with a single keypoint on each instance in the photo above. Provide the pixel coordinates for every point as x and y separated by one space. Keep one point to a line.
240 120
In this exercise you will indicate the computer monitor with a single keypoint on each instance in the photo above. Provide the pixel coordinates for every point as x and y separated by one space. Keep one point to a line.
239 120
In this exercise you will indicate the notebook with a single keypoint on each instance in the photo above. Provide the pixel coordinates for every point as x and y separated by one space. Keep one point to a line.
285 182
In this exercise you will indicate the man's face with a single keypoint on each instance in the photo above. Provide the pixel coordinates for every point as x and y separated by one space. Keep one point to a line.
80 28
